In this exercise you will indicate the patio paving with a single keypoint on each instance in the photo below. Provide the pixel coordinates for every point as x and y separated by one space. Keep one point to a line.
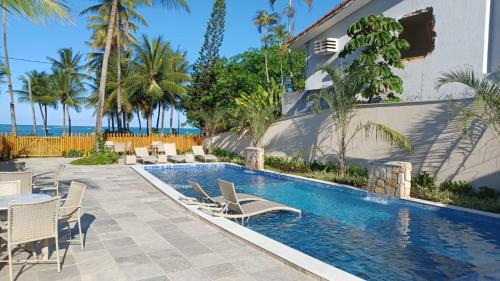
134 232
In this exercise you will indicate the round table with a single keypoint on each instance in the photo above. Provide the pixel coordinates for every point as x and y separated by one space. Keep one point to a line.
25 198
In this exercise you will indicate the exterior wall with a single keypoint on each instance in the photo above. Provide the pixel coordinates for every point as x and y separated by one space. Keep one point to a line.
459 27
494 40
432 127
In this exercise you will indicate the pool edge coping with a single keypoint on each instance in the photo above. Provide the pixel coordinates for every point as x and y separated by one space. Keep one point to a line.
292 257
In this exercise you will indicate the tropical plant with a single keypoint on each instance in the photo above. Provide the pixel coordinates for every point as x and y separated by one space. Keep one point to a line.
213 120
26 95
279 36
265 21
486 90
37 11
204 69
342 102
259 110
290 12
376 36
113 11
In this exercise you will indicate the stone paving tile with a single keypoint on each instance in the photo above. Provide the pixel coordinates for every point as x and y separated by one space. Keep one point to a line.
134 232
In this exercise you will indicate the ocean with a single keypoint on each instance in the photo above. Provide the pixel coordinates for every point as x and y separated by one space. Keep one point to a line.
55 130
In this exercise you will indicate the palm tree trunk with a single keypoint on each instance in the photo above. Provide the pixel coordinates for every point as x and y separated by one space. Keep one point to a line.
109 123
64 119
150 123
112 121
281 71
158 116
289 51
30 94
7 70
265 63
104 69
69 120
45 121
139 119
172 108
43 116
163 109
118 77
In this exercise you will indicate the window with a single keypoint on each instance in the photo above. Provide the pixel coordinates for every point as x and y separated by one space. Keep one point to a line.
418 30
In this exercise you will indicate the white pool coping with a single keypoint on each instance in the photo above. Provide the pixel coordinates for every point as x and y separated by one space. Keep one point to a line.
298 260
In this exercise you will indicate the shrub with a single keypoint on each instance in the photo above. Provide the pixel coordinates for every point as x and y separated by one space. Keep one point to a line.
354 180
457 187
73 153
97 158
294 165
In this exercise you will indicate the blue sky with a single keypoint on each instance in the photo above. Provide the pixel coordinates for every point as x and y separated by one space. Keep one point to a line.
35 42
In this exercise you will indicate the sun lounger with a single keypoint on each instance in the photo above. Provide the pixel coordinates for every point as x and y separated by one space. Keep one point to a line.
202 198
199 152
171 152
142 154
234 209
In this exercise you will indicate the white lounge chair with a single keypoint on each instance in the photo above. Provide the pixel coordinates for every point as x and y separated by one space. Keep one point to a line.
235 209
171 152
199 152
203 199
142 154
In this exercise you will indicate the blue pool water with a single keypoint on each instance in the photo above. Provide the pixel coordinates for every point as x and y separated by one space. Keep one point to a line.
373 238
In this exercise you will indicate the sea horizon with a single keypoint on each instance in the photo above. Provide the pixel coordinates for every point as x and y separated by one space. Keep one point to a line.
56 130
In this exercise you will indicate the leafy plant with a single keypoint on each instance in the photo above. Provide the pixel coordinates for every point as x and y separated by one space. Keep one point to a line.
97 158
341 101
376 36
73 153
487 97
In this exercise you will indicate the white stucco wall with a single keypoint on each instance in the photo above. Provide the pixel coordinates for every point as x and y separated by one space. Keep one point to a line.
460 39
432 127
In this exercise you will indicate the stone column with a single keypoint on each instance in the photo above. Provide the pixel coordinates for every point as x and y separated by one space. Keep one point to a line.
254 158
390 178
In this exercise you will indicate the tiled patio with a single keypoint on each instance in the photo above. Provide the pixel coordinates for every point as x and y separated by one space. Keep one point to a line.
134 232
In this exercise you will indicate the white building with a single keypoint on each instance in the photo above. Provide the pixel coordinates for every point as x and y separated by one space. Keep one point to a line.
443 34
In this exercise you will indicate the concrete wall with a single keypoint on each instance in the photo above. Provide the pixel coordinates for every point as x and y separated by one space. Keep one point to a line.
460 34
494 40
431 126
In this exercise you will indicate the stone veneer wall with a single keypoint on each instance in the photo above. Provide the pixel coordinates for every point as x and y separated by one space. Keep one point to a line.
390 178
254 158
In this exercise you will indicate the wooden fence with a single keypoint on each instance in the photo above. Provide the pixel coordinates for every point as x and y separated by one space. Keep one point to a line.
29 146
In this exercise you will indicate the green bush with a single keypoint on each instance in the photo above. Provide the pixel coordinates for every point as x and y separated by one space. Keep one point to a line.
353 180
73 153
458 193
97 158
228 156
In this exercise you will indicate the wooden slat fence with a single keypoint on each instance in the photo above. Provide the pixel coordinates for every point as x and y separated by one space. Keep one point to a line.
182 143
30 146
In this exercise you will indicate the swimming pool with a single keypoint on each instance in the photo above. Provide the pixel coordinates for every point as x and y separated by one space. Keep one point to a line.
374 238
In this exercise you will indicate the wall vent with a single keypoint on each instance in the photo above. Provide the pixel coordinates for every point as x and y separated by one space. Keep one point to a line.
326 46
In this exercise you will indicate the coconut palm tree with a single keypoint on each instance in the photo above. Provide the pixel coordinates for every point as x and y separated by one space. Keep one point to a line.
279 37
40 92
264 21
37 11
113 11
26 95
67 80
290 12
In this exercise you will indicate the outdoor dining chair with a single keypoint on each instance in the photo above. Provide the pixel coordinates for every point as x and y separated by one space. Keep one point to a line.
31 222
25 177
51 186
71 209
120 148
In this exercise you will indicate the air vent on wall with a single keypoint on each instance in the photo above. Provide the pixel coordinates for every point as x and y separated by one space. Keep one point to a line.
326 46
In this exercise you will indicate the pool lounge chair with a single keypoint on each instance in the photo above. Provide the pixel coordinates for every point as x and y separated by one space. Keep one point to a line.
171 152
203 199
199 152
234 209
142 154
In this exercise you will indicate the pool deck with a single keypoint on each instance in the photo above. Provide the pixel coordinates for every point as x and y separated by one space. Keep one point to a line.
135 232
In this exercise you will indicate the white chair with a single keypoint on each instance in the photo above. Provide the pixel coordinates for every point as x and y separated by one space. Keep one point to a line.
50 186
31 222
71 209
25 177
10 188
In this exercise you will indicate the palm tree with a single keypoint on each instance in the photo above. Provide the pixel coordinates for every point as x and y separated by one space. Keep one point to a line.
342 102
264 21
67 80
279 36
26 95
148 81
38 11
486 90
113 11
290 12
175 77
